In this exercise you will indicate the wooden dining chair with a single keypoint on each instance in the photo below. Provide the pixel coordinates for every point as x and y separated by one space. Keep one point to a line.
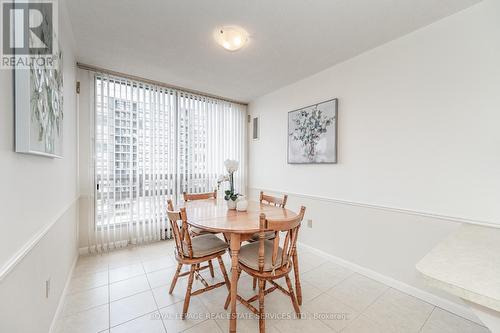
194 252
279 202
270 200
199 196
197 231
275 201
267 261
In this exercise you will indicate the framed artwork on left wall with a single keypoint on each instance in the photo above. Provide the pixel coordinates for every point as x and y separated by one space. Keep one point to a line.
38 76
39 109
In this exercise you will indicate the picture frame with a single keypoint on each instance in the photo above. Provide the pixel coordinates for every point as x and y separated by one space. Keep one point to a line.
39 111
312 134
38 78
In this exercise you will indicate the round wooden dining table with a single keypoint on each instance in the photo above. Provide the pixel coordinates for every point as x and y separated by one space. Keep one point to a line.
213 215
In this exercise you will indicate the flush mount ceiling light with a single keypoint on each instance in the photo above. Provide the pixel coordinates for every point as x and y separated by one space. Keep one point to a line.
231 37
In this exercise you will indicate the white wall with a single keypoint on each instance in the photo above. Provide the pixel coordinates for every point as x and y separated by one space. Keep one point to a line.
418 131
38 200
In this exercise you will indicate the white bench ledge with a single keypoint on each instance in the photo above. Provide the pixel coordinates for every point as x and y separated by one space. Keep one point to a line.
467 264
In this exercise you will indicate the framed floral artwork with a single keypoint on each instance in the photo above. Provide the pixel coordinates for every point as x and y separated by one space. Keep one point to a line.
39 109
312 134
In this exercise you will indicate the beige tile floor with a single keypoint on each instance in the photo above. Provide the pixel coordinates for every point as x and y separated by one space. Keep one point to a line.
127 291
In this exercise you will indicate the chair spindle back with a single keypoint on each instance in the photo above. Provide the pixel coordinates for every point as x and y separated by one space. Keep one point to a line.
199 196
278 202
290 227
181 233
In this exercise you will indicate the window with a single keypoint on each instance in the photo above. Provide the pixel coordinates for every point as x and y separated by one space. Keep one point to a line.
152 143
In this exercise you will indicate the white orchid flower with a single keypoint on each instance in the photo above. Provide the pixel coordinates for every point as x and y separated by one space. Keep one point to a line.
231 165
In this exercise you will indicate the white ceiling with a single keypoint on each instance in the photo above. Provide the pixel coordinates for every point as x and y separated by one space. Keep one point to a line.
171 40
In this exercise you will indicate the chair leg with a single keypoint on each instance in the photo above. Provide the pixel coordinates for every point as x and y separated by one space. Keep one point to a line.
174 280
254 283
211 268
228 299
292 295
262 322
188 292
224 273
197 269
298 288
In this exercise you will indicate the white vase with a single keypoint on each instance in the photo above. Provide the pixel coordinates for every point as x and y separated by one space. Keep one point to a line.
242 205
220 194
231 204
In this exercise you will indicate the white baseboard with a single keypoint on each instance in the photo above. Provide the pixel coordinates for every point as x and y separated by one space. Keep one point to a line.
108 246
60 304
426 296
85 250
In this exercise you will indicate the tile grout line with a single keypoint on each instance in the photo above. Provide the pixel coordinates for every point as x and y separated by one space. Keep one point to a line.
198 324
132 319
86 290
326 291
109 283
89 308
362 312
131 277
374 301
106 269
154 298
355 317
157 308
134 294
219 326
427 319
339 282
84 310
451 313
378 297
109 301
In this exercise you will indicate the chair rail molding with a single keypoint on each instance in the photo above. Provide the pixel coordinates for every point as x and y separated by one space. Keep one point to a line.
15 259
437 216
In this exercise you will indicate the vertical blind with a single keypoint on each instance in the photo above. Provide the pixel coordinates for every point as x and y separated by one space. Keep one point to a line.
152 143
